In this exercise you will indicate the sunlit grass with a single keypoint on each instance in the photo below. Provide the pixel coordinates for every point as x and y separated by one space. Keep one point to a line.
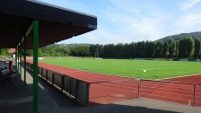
147 69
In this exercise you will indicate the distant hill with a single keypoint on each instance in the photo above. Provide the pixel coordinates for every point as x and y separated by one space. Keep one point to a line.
75 44
178 37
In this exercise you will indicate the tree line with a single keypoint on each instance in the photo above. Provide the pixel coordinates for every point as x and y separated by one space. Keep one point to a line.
57 50
4 51
54 50
178 37
184 48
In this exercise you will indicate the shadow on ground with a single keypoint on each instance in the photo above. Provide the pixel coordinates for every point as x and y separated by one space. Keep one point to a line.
18 99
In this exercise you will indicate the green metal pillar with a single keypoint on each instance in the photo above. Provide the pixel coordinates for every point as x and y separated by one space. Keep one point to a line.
25 69
35 66
16 57
20 60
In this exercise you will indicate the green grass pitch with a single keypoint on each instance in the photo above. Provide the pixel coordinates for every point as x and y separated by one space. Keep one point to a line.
146 69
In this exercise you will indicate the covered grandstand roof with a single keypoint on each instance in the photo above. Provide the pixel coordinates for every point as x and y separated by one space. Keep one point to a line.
55 23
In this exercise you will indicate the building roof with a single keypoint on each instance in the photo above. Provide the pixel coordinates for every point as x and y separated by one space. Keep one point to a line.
55 23
11 50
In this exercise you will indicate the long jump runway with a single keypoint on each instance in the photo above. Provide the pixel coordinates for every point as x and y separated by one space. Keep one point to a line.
106 89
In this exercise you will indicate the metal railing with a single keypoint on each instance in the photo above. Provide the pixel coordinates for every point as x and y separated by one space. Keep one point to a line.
171 91
76 89
178 92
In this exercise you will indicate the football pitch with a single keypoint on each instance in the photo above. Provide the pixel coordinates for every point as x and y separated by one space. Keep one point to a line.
146 69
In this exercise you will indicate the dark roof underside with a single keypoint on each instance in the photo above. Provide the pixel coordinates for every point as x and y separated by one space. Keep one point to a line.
55 24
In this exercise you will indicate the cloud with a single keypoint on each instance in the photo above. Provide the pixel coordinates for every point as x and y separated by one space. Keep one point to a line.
189 22
133 24
148 29
127 7
189 4
134 20
137 28
118 22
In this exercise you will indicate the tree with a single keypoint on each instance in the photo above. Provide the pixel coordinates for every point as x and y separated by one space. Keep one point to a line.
139 49
4 51
80 51
197 48
126 50
119 50
96 50
149 49
109 50
186 47
159 48
172 47
190 47
29 52
165 50
177 49
182 48
132 49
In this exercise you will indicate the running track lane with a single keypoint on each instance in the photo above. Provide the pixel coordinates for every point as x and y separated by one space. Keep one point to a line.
178 93
104 88
179 90
103 91
195 79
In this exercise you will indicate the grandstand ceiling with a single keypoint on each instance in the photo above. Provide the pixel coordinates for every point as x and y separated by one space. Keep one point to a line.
55 23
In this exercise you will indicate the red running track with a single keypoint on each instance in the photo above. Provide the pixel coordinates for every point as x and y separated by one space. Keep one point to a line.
167 91
182 90
104 88
194 79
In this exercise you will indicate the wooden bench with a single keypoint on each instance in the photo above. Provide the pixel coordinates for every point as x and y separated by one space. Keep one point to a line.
8 75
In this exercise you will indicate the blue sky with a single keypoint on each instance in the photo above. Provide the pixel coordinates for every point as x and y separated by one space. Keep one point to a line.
125 21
